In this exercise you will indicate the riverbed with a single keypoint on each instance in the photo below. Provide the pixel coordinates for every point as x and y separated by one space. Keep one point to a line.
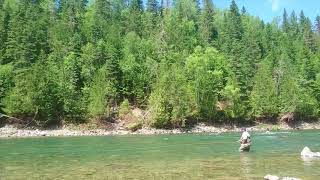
184 156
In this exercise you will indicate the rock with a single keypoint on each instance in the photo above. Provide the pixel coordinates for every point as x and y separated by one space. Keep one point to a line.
135 126
290 178
307 153
289 117
271 177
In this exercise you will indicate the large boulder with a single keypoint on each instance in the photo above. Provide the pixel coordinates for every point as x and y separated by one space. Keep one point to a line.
307 153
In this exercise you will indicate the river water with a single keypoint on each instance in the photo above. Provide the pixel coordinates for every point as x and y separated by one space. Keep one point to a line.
189 156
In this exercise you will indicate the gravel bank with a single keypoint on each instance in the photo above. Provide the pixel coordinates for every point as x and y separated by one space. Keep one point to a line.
13 132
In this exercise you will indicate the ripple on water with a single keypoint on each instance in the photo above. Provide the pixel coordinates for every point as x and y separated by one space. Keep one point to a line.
159 157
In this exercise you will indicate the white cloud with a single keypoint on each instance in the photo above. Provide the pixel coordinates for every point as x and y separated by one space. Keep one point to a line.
274 5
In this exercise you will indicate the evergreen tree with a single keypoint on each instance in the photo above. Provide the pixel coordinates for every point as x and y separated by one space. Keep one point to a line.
235 23
153 6
67 30
243 10
152 17
294 26
302 21
285 21
102 19
207 28
5 16
135 17
263 97
318 24
308 35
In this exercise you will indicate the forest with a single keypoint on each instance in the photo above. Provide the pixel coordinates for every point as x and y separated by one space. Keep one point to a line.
72 61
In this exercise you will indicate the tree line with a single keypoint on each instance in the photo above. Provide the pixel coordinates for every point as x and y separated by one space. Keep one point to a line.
179 60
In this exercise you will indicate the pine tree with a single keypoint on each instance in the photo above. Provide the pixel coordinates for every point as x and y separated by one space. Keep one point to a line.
102 16
103 9
16 41
67 30
263 99
135 17
302 21
152 17
235 24
294 26
243 11
180 26
251 55
5 10
318 24
308 35
208 31
285 21
234 44
153 6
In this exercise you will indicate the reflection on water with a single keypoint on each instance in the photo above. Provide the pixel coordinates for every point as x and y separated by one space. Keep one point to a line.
159 157
245 164
308 161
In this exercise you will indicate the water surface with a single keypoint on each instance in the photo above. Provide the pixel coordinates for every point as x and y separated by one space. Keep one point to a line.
188 156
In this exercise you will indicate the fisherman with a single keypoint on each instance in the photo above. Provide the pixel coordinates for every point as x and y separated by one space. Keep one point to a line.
245 141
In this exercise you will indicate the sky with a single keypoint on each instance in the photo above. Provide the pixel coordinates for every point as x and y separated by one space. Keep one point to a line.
269 9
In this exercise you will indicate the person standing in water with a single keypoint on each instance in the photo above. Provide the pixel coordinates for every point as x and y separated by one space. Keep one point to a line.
245 141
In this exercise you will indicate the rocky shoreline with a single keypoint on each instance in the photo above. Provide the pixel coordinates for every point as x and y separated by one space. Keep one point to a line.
10 131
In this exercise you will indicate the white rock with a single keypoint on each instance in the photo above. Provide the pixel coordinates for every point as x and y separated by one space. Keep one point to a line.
271 177
307 153
290 178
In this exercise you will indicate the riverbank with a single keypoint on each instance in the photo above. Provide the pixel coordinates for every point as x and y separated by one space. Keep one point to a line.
10 131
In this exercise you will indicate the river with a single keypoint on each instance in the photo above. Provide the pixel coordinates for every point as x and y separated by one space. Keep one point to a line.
188 156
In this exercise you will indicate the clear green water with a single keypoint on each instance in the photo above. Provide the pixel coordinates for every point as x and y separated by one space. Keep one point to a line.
158 157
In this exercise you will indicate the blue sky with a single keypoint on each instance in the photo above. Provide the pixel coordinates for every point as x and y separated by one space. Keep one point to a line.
268 9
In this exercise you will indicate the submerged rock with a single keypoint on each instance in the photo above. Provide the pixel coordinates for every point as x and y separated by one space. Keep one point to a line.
307 153
290 178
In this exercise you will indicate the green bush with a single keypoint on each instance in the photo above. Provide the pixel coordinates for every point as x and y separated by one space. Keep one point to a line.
135 126
101 93
171 101
6 81
36 94
124 108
